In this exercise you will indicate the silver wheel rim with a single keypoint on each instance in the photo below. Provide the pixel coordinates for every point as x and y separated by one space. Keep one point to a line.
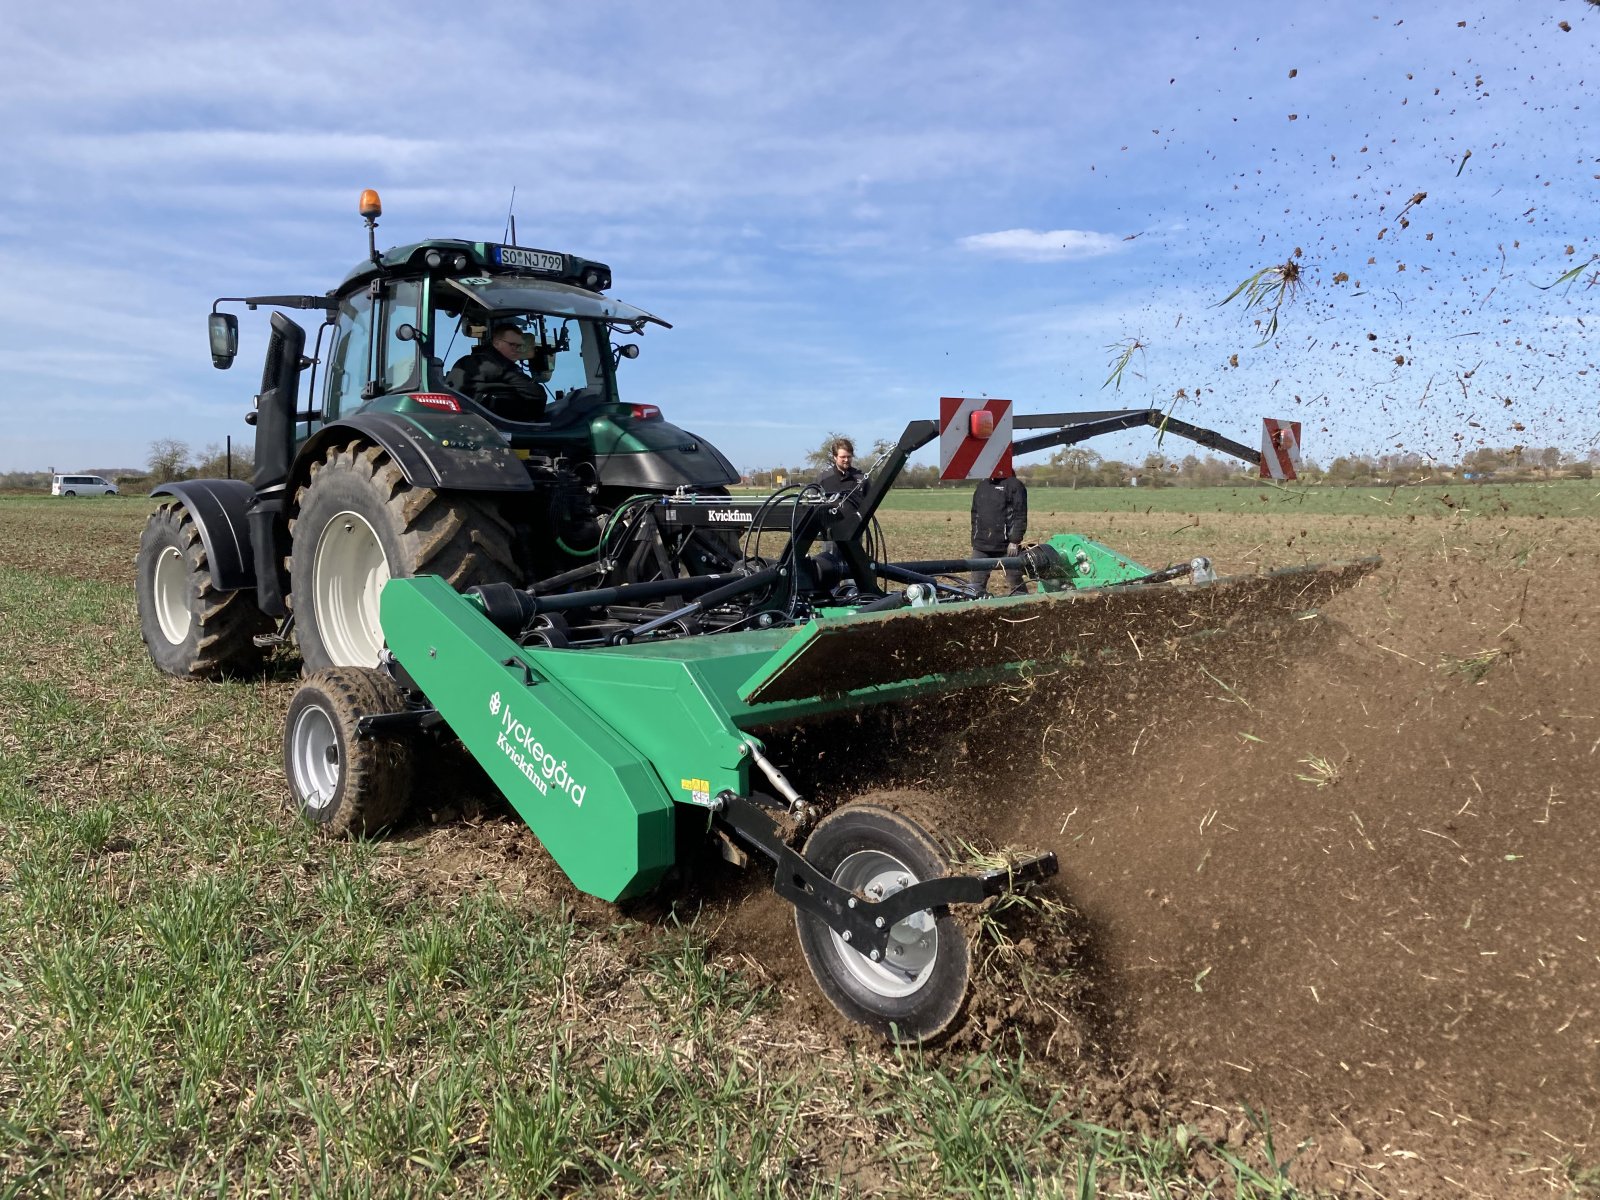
314 758
350 571
913 943
169 589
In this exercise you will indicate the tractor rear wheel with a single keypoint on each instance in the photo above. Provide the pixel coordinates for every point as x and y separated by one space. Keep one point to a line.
916 992
343 783
359 524
192 629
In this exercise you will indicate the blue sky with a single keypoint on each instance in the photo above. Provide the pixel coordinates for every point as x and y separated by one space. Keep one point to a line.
846 210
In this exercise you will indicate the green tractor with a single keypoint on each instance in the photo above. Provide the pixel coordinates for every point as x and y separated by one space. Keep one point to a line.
372 462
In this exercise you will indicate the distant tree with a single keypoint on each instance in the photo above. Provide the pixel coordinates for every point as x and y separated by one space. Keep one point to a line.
1550 458
1075 462
30 480
213 463
169 460
1352 469
1156 470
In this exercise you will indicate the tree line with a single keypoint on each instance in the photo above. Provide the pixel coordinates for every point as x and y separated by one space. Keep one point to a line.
1078 466
169 459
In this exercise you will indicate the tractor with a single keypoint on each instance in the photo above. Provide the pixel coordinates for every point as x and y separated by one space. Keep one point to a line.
370 466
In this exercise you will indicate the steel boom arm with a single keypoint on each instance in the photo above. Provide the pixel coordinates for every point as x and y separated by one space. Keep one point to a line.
1066 429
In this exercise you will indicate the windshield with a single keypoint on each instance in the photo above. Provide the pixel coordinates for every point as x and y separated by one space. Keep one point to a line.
567 355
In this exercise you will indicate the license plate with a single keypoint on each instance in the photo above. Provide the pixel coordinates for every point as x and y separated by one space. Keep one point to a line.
538 260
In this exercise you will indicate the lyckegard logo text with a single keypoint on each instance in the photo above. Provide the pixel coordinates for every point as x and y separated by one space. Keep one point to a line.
541 768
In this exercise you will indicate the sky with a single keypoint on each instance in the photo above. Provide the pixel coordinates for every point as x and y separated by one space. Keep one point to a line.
846 210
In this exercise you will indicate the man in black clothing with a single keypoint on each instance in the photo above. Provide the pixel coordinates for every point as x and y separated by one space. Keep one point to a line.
493 377
843 479
999 523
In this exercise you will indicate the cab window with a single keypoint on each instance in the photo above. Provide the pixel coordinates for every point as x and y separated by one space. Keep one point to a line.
351 358
401 359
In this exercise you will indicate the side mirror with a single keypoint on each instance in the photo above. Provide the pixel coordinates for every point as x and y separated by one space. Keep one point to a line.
224 331
406 333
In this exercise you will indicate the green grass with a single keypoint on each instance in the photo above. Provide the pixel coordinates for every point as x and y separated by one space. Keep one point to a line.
199 997
1559 498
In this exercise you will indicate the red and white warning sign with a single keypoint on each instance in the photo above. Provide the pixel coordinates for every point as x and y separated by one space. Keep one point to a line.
1280 448
974 437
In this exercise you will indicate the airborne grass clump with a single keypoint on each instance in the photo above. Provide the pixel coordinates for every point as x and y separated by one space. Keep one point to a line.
1269 289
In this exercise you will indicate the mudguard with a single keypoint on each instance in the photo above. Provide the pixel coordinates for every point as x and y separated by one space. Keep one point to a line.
219 507
660 457
448 451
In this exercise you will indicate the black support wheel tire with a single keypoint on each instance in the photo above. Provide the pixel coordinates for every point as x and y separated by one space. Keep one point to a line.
342 783
358 524
191 628
919 988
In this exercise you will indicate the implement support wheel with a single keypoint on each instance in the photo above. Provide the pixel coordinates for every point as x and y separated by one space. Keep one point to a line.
343 783
916 992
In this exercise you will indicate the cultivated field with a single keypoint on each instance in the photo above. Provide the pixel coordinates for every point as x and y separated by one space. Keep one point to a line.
1328 919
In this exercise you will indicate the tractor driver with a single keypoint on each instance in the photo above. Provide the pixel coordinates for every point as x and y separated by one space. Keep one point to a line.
493 376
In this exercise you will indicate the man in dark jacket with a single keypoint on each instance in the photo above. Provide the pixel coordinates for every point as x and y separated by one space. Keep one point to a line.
493 377
999 523
841 478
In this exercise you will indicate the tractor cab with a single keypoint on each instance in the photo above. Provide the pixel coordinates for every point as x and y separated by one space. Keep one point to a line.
566 339
406 319
402 320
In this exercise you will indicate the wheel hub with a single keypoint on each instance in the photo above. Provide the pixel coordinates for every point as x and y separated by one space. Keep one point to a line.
913 943
349 572
170 593
314 759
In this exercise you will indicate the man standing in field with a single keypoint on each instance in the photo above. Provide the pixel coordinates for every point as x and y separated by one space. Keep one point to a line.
841 477
999 523
842 480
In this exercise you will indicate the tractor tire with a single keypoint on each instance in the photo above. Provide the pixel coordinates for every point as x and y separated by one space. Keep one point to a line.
344 784
358 524
192 629
919 989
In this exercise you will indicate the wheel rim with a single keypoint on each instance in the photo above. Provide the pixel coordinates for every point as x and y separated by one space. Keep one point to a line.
913 947
350 571
314 758
170 595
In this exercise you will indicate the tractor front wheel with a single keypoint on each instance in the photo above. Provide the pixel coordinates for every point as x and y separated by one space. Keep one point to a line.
191 628
917 990
344 783
359 523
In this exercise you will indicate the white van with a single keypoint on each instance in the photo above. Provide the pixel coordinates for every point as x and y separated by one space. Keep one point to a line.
81 485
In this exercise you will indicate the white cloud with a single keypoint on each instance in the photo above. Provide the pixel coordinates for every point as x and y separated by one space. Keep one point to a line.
1051 245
